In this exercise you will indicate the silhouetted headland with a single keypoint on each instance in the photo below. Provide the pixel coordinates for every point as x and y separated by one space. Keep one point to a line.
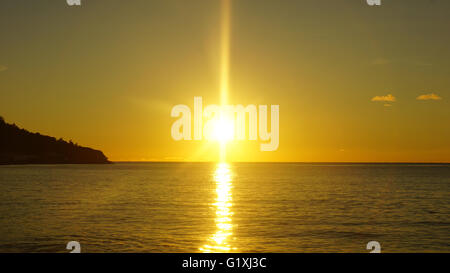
19 146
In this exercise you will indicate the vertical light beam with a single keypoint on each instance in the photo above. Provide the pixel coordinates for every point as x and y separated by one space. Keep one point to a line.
225 30
225 50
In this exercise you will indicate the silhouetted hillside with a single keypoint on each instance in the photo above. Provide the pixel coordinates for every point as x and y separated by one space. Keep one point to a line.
18 146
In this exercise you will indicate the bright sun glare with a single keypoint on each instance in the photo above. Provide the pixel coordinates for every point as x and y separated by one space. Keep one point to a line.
223 130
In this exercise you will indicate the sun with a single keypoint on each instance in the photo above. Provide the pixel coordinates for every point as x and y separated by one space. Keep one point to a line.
223 129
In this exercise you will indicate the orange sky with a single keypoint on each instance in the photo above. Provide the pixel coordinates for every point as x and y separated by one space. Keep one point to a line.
354 83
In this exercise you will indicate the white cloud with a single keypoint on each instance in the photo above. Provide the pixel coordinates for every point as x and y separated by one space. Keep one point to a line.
387 98
431 96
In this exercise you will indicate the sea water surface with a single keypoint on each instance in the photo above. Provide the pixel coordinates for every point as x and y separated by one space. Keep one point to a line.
236 207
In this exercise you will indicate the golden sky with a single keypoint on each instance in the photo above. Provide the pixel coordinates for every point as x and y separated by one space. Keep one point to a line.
354 83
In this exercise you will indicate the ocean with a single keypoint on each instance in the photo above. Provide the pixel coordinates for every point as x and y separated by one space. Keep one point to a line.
235 207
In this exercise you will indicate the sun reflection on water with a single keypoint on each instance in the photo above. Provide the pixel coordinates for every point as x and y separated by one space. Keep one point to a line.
219 241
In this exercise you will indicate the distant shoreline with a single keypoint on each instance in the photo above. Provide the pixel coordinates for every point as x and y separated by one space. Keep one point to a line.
48 164
19 146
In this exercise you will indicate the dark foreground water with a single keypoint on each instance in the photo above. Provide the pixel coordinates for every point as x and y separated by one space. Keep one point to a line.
196 207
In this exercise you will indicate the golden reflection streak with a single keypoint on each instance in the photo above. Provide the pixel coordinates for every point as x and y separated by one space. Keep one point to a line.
219 241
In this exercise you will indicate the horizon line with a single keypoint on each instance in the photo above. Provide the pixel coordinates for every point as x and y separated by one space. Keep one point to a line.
298 162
